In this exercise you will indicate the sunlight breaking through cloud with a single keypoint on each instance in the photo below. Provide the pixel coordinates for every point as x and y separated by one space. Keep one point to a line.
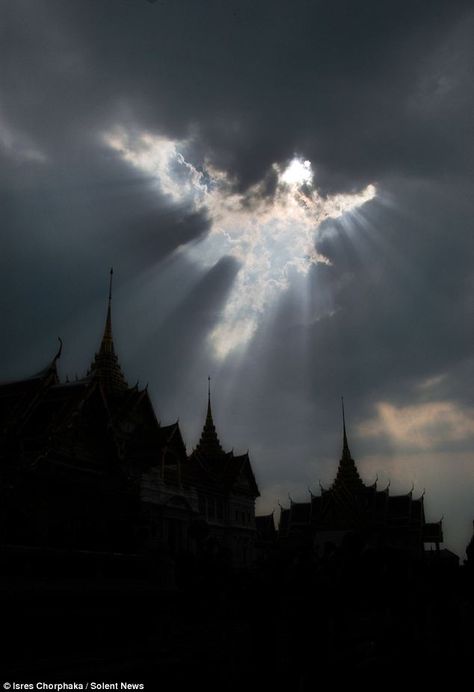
271 236
297 173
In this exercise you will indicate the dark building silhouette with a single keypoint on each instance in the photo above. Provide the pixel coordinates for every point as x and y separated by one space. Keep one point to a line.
470 554
226 490
103 510
350 506
88 469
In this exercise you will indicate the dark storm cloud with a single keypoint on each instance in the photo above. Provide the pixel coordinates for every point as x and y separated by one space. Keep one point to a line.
359 88
369 92
392 310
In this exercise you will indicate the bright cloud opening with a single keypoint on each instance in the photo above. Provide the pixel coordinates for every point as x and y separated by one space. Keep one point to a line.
298 172
271 238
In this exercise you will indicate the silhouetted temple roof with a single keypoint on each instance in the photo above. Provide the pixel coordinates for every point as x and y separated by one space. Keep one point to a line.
98 427
223 474
211 466
17 398
347 474
350 505
97 416
209 446
105 366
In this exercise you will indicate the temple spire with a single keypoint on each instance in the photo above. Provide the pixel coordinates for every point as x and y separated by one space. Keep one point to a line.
209 444
105 365
107 343
209 420
346 454
347 474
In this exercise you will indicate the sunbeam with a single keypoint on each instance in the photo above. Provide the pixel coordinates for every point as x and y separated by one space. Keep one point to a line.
270 237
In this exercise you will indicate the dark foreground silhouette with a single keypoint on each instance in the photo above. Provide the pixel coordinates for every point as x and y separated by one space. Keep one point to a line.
291 621
124 558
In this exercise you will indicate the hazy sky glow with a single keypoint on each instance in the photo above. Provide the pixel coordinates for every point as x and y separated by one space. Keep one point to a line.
285 192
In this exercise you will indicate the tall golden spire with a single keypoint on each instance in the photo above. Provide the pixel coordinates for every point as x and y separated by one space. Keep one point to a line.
105 365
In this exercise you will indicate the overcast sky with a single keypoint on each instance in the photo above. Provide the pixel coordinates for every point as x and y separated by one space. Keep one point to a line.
285 191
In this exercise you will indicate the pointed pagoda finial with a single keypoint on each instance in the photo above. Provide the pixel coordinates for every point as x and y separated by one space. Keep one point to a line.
345 445
347 473
209 410
107 344
209 444
60 350
105 365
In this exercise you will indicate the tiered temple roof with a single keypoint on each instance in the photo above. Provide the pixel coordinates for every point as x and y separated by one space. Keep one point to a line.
350 505
347 478
209 446
209 465
88 421
86 465
105 366
101 415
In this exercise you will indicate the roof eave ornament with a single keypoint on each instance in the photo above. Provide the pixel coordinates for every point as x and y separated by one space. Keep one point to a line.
60 350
